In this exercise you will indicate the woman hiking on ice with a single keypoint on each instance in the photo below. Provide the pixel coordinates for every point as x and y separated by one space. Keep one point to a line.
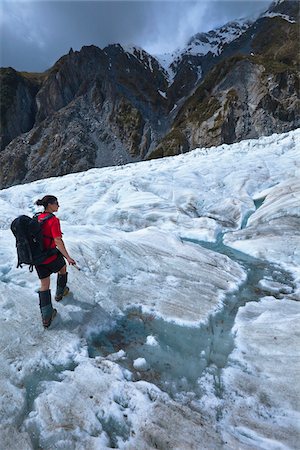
52 238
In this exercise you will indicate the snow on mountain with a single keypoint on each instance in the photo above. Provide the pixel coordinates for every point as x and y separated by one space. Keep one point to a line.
148 239
286 9
165 61
150 62
203 43
273 14
140 54
213 41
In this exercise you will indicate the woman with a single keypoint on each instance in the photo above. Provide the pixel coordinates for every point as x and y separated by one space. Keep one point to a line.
52 239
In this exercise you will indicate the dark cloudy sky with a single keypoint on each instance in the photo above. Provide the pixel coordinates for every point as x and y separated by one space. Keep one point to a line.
34 34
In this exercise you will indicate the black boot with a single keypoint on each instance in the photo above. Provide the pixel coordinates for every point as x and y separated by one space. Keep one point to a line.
61 287
47 311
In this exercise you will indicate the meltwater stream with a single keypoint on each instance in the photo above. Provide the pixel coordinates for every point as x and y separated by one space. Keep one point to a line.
178 356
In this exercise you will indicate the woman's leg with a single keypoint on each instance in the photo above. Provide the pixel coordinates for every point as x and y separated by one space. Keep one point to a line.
45 284
63 270
47 311
61 286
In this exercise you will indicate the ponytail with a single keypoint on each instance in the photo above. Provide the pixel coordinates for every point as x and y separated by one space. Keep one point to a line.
46 200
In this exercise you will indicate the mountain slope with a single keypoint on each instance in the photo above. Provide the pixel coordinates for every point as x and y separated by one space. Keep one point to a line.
96 107
248 95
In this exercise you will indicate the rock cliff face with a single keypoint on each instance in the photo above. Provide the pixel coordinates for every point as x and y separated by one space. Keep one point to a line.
251 94
18 107
96 107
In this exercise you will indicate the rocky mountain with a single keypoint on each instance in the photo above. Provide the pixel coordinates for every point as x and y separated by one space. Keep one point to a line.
110 106
95 108
250 91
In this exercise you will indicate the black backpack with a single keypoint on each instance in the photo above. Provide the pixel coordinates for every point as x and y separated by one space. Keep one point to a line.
29 240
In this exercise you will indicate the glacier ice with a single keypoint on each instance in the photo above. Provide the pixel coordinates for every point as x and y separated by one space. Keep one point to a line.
147 237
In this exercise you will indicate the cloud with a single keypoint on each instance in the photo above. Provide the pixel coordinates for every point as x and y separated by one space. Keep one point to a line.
34 34
178 22
175 23
23 41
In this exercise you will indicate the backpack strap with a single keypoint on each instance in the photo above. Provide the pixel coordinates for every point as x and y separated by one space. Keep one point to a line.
44 219
36 216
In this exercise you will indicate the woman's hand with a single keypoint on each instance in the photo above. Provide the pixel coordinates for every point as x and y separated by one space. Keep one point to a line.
71 261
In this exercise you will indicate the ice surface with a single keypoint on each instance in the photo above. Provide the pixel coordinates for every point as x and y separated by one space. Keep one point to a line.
274 287
140 364
262 382
151 340
138 233
273 231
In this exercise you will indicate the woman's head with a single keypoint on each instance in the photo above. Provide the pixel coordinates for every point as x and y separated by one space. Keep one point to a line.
47 200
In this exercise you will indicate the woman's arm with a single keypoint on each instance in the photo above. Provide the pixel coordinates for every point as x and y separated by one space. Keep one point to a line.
61 247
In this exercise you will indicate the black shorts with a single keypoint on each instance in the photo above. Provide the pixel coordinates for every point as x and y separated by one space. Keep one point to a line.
45 270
